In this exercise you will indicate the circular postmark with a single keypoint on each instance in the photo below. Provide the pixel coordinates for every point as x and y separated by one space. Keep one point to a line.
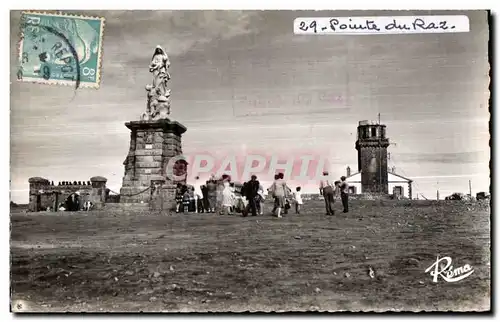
46 54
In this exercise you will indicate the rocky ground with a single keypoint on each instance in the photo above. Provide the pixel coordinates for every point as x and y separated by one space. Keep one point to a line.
371 259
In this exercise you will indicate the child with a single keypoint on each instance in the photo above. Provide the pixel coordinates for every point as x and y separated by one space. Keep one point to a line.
262 196
297 197
61 207
186 201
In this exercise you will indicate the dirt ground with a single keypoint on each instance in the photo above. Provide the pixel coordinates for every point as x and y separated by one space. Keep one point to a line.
117 261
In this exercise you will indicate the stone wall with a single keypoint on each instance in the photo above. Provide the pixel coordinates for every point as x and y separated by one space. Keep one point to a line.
44 193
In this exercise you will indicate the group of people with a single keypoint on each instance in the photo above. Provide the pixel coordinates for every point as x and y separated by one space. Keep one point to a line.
226 197
74 203
333 190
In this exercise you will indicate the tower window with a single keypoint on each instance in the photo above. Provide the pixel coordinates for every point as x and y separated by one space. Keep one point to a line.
364 133
374 131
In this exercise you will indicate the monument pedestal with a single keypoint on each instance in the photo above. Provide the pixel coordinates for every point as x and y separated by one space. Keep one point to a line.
98 192
152 145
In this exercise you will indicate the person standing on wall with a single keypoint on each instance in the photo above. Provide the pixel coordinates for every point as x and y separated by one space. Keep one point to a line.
344 193
327 190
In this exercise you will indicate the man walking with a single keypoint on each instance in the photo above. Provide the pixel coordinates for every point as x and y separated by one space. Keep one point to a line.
344 193
326 189
204 194
252 194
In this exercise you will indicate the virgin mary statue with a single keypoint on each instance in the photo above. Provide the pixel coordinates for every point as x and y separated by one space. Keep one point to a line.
159 67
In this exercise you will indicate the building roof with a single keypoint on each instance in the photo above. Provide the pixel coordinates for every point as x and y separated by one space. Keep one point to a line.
352 175
400 176
99 179
37 179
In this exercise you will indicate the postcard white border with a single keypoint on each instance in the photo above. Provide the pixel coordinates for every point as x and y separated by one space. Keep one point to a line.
5 315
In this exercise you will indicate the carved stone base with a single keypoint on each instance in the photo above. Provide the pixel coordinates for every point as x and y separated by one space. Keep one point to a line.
161 112
152 145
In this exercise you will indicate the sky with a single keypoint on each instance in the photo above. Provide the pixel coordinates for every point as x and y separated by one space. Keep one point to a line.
242 82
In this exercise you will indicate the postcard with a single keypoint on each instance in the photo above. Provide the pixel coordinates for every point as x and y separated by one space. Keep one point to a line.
250 161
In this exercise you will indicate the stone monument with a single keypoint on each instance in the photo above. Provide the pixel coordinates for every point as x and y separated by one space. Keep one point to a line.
154 141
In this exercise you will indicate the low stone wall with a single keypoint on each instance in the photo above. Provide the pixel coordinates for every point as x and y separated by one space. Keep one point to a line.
44 194
365 196
126 207
372 196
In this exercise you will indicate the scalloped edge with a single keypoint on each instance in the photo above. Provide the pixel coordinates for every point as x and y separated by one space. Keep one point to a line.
94 85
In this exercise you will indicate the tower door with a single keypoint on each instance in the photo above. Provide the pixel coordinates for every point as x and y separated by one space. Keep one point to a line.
38 202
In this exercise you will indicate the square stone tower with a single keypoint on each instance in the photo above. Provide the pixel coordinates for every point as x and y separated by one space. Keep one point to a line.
372 146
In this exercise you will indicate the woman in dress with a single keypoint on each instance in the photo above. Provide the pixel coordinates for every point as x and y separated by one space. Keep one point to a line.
279 190
262 197
220 188
228 198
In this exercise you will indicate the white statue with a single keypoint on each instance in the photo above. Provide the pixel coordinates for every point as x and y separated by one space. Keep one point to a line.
158 106
159 67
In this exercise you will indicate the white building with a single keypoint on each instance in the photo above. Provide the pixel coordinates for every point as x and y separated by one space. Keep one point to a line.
397 184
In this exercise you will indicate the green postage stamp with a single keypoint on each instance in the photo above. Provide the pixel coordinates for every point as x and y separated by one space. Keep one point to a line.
57 48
